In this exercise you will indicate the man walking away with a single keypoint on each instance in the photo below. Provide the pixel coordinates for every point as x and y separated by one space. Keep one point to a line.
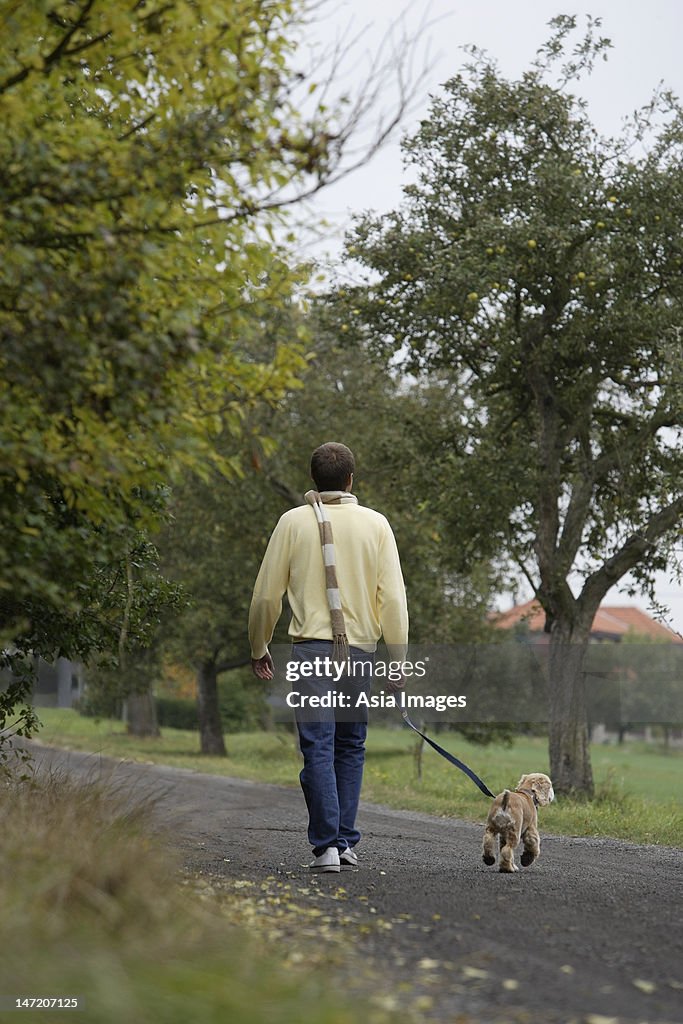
339 565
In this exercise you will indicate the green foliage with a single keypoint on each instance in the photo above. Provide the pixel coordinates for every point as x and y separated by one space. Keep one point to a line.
212 548
136 253
177 713
537 267
482 734
110 680
17 677
100 701
635 681
125 285
241 702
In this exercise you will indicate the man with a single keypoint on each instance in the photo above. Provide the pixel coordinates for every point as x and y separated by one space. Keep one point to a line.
339 565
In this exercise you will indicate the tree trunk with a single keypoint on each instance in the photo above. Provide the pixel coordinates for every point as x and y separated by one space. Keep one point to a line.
570 764
140 714
210 726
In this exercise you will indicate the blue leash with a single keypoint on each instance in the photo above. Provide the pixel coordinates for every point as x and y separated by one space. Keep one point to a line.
450 757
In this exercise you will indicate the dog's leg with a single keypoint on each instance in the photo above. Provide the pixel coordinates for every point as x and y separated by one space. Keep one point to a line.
532 846
489 847
509 840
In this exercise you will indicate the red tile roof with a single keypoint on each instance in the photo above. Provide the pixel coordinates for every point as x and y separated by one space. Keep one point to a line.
612 620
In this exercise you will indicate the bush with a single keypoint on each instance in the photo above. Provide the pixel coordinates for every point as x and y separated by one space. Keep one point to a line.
97 703
242 702
177 713
240 698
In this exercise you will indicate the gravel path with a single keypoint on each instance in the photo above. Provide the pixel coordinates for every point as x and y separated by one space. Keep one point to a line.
591 934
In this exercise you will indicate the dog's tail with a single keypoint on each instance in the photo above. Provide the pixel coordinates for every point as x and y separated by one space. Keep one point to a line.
502 817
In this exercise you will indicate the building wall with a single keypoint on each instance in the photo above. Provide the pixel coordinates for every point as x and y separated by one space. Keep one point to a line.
59 684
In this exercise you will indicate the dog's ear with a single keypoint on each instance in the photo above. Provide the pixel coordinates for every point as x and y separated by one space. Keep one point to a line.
523 783
543 788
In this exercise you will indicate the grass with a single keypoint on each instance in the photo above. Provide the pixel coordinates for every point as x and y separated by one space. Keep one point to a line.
638 786
92 908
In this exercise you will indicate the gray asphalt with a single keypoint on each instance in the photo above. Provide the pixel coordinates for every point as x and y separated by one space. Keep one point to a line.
591 933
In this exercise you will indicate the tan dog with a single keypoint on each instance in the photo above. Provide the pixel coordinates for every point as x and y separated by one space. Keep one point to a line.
513 817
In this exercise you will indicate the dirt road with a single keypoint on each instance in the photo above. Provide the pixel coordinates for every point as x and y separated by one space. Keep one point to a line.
592 933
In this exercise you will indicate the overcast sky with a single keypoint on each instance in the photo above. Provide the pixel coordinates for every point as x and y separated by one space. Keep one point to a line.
646 51
646 38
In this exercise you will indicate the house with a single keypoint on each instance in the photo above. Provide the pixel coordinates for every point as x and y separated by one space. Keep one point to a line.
59 684
611 624
617 624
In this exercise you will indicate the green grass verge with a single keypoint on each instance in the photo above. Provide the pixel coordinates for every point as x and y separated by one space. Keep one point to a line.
638 786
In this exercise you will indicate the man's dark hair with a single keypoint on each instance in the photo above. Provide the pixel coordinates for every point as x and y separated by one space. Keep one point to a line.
331 466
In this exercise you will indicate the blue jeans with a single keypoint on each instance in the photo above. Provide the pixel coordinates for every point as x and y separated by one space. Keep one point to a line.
332 742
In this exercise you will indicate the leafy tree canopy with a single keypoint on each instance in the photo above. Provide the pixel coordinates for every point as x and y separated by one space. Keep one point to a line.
144 153
537 267
142 139
216 540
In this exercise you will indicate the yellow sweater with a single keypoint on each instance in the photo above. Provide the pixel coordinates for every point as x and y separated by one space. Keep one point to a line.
368 571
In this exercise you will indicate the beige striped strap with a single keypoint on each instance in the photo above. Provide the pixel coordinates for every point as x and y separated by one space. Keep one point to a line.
318 501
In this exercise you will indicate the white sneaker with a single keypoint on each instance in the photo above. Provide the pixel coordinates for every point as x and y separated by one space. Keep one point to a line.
327 861
348 860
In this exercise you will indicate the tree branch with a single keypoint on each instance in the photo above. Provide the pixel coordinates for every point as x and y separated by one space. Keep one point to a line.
527 575
137 127
59 50
632 551
661 417
595 470
285 491
228 666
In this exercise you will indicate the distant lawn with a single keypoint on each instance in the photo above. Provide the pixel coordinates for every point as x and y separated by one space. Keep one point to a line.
638 786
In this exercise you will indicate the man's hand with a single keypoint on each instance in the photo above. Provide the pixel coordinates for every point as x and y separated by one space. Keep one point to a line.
394 685
262 667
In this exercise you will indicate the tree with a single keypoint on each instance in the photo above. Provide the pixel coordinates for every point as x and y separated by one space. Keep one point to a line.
123 289
152 145
123 687
387 423
537 266
213 548
218 535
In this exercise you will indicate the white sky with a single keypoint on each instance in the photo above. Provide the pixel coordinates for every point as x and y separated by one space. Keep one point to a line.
646 51
646 38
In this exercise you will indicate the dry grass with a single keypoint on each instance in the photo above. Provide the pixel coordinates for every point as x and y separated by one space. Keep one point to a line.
92 907
74 852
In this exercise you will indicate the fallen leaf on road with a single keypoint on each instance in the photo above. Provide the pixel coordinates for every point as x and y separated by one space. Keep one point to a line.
474 972
427 965
645 986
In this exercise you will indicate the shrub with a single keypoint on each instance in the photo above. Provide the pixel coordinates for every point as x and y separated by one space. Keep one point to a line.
177 713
